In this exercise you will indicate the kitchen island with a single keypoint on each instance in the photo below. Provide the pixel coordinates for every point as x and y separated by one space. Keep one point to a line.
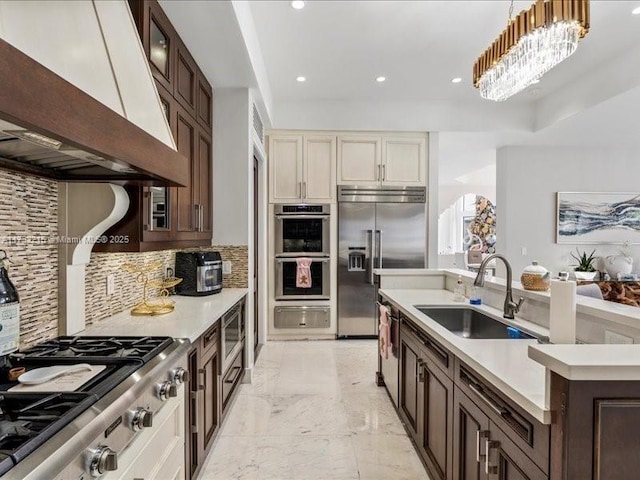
513 407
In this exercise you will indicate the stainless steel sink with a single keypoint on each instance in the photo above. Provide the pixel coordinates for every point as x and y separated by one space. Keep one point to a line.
469 323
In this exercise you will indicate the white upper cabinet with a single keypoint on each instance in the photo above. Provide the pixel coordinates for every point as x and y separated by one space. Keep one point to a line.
319 170
380 161
403 161
302 168
359 160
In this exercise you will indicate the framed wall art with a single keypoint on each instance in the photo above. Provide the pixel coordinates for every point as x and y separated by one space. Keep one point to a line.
598 218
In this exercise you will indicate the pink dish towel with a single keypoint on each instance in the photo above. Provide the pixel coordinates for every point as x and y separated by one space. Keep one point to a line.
303 273
385 332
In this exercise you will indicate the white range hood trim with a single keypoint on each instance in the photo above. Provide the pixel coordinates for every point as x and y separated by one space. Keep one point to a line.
79 205
96 47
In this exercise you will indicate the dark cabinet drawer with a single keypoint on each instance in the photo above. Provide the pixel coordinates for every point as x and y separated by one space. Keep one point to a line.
528 434
433 350
209 341
232 378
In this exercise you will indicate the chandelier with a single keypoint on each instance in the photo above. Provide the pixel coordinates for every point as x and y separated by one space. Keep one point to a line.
533 43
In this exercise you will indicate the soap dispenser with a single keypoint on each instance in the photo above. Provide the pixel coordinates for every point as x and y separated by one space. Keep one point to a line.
459 290
475 298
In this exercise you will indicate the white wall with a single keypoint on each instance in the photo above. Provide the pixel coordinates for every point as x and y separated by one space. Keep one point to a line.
527 181
448 194
231 179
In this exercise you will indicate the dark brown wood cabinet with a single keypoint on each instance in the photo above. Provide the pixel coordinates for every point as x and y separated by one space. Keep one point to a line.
426 403
470 430
203 406
176 217
461 426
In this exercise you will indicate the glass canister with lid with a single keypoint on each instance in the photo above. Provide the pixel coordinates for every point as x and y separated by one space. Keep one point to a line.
535 277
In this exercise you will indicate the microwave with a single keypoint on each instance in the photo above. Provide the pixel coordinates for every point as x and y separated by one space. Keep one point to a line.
201 273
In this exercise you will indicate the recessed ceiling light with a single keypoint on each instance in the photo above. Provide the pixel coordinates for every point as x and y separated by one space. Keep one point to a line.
380 79
456 80
301 79
297 4
636 11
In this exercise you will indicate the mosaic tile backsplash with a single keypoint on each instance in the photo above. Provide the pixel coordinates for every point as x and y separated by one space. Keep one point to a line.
28 233
99 305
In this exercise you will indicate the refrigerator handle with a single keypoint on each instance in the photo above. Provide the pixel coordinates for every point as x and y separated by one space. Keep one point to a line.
370 263
378 249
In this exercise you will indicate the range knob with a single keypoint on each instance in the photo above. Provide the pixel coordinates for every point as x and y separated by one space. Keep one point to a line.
142 418
103 460
179 375
166 390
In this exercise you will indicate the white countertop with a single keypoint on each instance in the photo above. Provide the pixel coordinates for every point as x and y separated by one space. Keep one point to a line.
408 271
590 362
190 319
504 363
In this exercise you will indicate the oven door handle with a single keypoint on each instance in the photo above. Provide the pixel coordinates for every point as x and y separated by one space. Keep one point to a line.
293 259
323 216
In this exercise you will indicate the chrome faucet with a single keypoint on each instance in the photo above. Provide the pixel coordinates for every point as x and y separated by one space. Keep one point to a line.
510 307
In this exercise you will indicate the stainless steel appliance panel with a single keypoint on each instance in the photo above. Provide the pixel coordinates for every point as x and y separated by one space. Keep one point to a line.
302 230
401 235
286 289
356 290
302 317
378 227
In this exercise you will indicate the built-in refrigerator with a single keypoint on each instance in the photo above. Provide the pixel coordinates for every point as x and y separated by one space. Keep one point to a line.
378 227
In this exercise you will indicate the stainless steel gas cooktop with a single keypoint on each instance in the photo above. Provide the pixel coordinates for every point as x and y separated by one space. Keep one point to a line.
29 419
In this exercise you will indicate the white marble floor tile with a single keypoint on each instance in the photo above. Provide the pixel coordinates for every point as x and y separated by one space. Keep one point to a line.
313 412
382 457
372 413
263 382
232 458
249 415
270 355
308 415
307 458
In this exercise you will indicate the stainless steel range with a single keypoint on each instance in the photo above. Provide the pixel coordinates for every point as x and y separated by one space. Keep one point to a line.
126 421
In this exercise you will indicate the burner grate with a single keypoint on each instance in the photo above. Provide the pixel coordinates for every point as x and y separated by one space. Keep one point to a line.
28 419
143 348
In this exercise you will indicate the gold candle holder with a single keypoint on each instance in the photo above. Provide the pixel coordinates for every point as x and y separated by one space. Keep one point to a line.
152 307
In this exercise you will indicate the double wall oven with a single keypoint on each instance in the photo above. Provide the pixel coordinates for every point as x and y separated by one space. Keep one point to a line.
301 232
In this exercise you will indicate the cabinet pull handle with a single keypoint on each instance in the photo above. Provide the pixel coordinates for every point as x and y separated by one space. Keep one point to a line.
378 173
201 218
235 377
384 172
420 369
210 336
490 403
202 372
196 217
150 211
481 435
489 468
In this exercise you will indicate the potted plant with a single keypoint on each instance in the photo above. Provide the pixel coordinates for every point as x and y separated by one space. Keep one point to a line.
584 270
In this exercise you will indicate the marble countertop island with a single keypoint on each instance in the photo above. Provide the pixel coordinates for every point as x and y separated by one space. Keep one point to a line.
504 363
190 319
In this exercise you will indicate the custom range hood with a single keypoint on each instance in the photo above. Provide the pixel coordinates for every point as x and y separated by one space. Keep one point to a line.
77 98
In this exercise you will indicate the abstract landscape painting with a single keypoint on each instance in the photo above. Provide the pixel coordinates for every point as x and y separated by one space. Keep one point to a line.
598 217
